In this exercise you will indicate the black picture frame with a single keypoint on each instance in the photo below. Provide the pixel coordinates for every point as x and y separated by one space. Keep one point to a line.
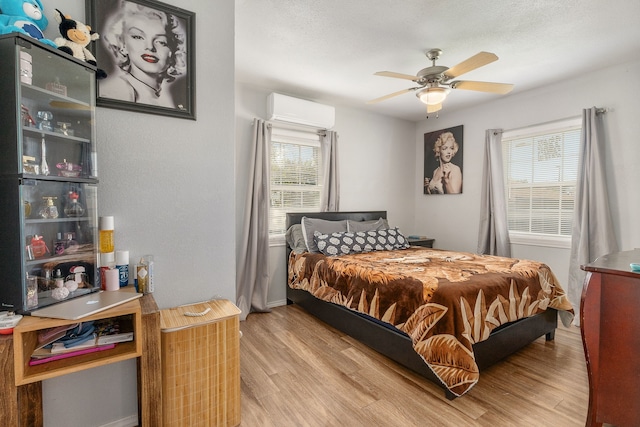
124 91
432 161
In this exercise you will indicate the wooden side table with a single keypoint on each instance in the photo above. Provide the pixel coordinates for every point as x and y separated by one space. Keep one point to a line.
22 405
611 338
426 242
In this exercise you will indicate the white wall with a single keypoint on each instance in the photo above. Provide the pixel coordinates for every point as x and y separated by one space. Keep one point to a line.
453 219
170 185
376 167
379 170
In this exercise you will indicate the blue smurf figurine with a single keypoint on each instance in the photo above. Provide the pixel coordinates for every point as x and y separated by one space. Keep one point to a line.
24 16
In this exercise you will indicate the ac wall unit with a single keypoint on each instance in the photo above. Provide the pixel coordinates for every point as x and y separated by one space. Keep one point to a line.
300 111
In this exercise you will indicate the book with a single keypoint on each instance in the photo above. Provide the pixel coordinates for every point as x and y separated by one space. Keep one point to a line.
103 332
416 237
48 336
114 330
51 358
116 338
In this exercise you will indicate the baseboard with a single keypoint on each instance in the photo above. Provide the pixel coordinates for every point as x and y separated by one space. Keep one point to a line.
272 304
131 421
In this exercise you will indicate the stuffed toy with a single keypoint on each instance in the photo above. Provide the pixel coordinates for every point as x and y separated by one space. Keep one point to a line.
76 36
24 16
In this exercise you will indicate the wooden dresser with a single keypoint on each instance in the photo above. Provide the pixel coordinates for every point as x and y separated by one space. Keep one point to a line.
610 327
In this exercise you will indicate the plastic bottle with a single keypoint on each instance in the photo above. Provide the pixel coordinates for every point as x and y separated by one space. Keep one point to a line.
122 264
106 234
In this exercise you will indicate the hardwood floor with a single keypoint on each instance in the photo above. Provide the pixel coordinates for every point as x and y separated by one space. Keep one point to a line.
298 371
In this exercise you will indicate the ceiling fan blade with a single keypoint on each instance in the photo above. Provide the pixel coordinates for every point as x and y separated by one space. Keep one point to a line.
500 88
391 95
434 107
476 61
396 75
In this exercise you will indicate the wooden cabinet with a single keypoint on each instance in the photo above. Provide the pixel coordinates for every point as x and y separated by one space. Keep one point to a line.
611 338
201 364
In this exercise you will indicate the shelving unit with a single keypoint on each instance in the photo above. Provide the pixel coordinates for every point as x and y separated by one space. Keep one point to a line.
21 405
48 141
25 337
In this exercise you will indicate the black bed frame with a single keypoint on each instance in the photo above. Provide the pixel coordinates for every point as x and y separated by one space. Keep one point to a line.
396 345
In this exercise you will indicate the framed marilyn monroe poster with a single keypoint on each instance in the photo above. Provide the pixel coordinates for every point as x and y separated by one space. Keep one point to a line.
443 161
147 50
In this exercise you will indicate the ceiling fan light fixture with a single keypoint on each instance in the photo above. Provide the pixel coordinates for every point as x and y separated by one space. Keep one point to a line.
433 95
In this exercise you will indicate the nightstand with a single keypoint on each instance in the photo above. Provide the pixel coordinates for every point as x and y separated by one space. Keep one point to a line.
426 242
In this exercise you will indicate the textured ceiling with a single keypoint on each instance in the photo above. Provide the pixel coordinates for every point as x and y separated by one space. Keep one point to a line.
328 50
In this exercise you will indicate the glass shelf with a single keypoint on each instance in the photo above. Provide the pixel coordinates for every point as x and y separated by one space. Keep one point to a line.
40 132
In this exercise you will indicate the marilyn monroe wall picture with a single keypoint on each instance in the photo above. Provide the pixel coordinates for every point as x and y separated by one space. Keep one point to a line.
443 161
146 48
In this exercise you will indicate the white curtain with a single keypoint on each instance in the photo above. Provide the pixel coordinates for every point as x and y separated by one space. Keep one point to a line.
330 199
252 283
493 234
592 234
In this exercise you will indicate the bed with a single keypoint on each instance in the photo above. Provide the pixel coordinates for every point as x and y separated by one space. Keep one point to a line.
411 329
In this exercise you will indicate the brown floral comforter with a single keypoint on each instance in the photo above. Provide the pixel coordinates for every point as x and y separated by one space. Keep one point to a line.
445 301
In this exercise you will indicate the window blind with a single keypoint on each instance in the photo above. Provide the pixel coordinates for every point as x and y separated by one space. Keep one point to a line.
541 169
295 175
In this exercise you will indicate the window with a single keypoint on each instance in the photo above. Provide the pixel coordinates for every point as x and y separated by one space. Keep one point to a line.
541 169
295 175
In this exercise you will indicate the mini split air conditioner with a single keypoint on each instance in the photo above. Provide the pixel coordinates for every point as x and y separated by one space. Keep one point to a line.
300 111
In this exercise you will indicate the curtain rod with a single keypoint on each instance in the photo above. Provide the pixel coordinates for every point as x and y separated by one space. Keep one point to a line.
599 110
321 132
541 124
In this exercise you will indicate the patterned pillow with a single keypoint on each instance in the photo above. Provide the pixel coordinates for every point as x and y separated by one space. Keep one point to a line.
343 243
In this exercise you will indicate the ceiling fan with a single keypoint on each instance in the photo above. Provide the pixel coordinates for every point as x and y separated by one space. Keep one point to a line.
434 83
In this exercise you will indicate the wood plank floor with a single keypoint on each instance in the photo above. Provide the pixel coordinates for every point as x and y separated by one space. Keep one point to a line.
298 371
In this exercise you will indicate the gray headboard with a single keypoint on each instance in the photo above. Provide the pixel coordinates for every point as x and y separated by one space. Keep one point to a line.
296 218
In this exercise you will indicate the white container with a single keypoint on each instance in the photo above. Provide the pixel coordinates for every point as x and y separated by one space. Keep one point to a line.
107 259
112 279
26 68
